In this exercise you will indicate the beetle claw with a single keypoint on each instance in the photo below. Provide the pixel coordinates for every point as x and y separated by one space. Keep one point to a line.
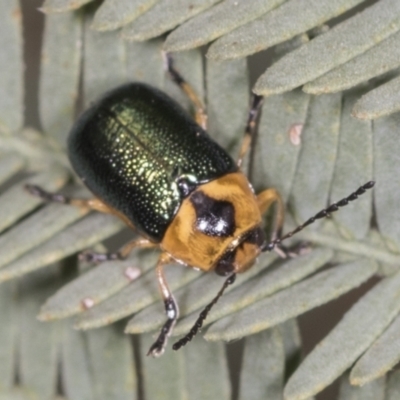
86 256
32 189
156 350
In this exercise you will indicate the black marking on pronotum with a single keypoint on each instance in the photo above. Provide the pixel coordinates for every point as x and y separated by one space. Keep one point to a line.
213 217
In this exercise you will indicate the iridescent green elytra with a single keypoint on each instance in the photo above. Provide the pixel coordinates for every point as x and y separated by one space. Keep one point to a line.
142 154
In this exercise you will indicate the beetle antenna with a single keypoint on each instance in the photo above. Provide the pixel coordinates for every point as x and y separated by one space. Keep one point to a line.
203 315
322 214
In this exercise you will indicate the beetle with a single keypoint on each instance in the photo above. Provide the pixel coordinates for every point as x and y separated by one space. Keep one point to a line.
149 163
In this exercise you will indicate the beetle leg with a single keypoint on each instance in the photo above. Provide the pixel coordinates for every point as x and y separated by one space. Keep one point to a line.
265 200
92 204
121 254
171 308
200 110
255 107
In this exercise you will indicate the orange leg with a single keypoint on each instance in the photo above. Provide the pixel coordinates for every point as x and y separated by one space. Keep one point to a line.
121 254
97 205
200 110
91 204
265 200
251 127
171 308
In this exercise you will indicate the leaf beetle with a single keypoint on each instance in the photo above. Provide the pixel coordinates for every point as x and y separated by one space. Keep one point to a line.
149 163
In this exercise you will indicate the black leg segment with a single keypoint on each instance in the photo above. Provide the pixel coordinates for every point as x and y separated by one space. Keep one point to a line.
171 309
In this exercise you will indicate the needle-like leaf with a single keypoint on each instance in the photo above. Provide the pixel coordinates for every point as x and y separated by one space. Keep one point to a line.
113 14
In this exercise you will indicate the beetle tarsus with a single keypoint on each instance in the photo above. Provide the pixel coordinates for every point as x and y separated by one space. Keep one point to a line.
93 257
169 67
292 252
171 309
158 347
37 191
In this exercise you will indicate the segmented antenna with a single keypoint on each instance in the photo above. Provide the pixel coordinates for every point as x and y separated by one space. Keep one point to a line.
322 214
203 315
270 246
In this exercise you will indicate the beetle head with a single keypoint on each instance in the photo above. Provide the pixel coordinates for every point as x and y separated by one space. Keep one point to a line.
240 256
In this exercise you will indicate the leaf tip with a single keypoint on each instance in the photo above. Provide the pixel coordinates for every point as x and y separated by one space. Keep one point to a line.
43 316
315 90
360 114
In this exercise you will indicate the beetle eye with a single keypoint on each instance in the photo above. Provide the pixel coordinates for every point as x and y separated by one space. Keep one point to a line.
186 184
225 264
257 237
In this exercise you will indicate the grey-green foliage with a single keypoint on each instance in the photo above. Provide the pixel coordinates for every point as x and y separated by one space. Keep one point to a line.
308 147
116 13
354 51
167 14
11 77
